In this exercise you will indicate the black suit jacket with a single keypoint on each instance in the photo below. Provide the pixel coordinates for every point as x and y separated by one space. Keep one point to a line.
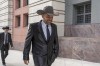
40 47
2 40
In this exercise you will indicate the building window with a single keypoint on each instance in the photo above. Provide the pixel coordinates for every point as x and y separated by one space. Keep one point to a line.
83 13
18 4
25 2
25 20
18 21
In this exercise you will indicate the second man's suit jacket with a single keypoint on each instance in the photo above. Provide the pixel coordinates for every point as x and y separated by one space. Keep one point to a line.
2 40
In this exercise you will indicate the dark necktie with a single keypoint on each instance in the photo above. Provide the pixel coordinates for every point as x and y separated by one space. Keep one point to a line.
6 39
48 33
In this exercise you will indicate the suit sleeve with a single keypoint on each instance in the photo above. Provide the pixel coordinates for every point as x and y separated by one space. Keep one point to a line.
11 41
27 45
56 43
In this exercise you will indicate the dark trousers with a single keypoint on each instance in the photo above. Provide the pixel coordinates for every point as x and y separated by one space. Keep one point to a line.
40 60
4 53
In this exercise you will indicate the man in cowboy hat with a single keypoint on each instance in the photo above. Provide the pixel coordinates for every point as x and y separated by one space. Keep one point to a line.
43 37
5 40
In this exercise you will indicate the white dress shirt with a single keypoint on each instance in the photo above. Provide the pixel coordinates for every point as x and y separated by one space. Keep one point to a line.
5 37
44 29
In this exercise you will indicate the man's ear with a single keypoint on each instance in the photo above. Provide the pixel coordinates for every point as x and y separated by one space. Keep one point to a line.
42 16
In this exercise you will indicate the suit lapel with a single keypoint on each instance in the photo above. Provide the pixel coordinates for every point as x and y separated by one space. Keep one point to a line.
52 34
42 34
41 31
8 36
3 36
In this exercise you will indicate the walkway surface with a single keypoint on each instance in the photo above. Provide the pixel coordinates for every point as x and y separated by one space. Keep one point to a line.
15 58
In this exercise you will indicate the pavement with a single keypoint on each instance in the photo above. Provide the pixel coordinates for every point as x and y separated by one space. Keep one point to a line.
15 58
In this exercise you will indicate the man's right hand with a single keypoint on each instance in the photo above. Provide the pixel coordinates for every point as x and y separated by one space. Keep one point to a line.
26 62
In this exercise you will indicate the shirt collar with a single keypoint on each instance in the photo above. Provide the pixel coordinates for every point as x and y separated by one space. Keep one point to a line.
5 33
43 23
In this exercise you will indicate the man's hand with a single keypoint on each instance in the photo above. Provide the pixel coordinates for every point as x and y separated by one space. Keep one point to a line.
12 47
26 62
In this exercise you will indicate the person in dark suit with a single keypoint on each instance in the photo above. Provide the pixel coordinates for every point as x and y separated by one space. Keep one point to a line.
43 38
5 41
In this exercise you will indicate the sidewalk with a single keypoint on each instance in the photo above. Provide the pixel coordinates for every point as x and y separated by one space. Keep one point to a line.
15 58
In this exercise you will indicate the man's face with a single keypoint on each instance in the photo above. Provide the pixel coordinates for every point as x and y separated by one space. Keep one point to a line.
47 18
6 30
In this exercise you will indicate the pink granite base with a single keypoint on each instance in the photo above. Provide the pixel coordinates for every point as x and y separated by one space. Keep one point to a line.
88 30
80 48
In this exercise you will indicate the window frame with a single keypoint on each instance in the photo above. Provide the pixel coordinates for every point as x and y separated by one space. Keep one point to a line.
18 21
26 20
84 13
17 4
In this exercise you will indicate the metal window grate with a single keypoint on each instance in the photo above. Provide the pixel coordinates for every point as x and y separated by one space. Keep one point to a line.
87 8
88 18
80 9
83 13
80 19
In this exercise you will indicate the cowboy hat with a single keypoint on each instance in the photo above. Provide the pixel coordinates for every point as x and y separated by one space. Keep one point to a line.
48 10
6 27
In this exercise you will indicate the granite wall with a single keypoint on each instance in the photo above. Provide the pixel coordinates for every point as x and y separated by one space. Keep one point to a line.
88 30
81 42
87 49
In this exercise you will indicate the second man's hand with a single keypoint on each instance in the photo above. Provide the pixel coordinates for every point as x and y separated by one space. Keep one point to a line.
12 47
26 62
